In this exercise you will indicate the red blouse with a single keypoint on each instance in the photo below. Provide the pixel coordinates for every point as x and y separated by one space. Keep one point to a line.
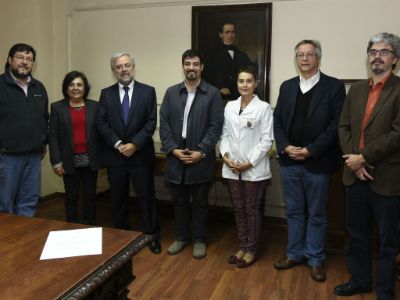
78 117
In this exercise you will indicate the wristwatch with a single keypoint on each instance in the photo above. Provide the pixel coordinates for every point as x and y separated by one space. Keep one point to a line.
203 155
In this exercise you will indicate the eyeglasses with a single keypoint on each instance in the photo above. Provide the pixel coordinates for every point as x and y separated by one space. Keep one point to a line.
23 58
382 52
123 67
305 55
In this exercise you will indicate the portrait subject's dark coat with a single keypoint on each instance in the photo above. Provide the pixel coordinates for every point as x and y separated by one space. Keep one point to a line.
220 69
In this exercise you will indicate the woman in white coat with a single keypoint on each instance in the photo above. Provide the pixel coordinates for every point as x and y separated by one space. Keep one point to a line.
246 139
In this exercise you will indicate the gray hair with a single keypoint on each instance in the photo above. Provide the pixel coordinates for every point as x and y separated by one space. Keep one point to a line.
315 43
117 55
388 38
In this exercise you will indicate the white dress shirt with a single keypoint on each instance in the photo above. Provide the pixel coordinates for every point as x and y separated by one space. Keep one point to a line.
308 84
122 91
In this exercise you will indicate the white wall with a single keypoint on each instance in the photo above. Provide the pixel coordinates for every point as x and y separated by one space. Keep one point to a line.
82 34
157 35
342 27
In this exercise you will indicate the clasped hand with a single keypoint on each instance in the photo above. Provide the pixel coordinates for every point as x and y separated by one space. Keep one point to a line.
187 156
357 164
127 149
297 153
235 166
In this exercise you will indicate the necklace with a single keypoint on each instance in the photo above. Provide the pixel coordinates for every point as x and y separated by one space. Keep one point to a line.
243 106
76 106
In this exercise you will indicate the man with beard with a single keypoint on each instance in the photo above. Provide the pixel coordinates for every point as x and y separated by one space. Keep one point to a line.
23 132
191 119
222 63
369 132
126 120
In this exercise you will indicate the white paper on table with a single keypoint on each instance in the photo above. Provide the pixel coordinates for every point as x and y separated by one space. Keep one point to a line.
70 243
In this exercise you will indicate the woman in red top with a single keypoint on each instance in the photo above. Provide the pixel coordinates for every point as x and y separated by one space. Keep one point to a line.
74 146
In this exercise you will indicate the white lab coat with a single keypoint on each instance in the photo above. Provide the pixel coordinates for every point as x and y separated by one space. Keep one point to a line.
248 137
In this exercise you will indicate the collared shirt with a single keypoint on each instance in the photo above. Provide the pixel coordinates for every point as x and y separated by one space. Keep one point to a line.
189 102
122 91
373 97
308 84
23 86
121 98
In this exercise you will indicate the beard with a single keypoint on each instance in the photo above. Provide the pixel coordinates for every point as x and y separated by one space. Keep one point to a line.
125 80
191 75
20 74
377 69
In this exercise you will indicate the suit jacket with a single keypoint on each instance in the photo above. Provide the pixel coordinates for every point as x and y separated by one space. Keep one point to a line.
381 134
142 121
220 69
320 132
61 143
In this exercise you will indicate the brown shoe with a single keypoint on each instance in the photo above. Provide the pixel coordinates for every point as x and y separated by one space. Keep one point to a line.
286 263
318 273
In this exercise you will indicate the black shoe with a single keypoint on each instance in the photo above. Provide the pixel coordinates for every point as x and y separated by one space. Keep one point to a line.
345 289
155 247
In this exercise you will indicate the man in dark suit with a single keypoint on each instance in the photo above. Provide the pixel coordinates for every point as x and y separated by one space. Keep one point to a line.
222 63
369 133
305 126
126 120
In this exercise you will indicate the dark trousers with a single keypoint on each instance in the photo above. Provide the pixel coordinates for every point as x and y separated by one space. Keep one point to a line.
72 189
142 178
197 211
363 206
247 198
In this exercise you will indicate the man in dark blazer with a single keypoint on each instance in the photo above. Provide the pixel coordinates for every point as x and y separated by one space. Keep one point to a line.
126 120
369 133
191 119
305 127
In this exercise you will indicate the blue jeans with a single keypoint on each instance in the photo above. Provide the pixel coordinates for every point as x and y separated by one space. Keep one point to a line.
19 183
306 196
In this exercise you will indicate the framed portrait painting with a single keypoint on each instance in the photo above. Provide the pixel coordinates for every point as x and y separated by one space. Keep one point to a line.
232 37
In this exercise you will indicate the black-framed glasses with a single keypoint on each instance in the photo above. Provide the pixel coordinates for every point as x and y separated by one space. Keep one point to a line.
382 52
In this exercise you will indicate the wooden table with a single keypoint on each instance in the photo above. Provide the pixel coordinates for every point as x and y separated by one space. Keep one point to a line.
24 276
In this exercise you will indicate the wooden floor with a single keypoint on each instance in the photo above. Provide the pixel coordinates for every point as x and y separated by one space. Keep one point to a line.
182 277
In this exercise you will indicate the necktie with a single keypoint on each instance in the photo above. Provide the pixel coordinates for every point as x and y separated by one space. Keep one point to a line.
125 104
